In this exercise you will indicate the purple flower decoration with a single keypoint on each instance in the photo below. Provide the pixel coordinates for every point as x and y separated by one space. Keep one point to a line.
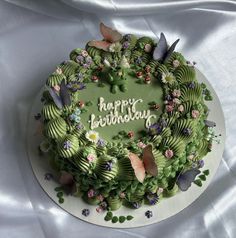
79 58
187 131
152 198
37 116
148 214
79 126
155 128
109 165
191 85
163 123
200 163
75 86
85 212
88 60
136 205
125 45
103 205
48 176
168 97
86 65
127 37
101 142
67 145
138 60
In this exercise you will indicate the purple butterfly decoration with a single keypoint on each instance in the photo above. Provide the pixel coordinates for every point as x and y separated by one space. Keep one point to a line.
63 99
186 178
162 52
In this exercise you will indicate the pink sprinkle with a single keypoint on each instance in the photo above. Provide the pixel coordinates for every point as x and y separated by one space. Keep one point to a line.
195 114
91 158
160 190
141 145
56 88
169 108
99 209
169 154
91 193
100 197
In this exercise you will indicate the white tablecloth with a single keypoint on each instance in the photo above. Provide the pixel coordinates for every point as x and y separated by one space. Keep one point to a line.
36 35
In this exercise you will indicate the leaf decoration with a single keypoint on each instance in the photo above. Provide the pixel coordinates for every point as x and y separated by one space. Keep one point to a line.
185 179
64 94
209 123
109 34
162 52
149 161
138 166
56 98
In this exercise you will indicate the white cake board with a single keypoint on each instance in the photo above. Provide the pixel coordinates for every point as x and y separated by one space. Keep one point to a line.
166 208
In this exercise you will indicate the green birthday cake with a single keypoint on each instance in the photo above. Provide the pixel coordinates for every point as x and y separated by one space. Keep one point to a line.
125 121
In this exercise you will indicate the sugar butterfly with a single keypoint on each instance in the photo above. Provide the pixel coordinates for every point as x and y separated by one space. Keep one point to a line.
110 36
147 164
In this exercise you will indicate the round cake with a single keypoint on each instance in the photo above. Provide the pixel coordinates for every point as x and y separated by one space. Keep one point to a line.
125 121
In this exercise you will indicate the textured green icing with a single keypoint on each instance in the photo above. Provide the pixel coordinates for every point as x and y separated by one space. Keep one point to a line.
54 79
69 68
56 128
114 203
50 111
185 73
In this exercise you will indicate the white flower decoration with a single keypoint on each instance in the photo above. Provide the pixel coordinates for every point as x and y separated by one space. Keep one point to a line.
115 47
92 136
124 63
168 78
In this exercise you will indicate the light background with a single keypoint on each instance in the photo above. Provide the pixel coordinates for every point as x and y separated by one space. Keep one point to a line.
36 35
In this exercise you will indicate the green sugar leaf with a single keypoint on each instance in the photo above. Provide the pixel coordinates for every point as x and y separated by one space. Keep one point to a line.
114 219
129 217
107 218
61 200
202 177
59 194
110 214
89 103
206 172
83 110
122 219
198 182
58 189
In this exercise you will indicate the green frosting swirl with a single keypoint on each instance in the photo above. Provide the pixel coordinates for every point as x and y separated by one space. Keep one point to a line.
185 74
56 128
74 53
50 111
55 79
191 94
173 143
125 169
68 146
69 68
171 192
114 203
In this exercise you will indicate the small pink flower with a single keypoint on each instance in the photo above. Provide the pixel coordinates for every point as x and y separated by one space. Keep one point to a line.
141 145
176 93
99 209
100 197
181 108
176 63
84 53
176 101
122 195
169 154
58 70
91 158
169 108
160 190
147 48
91 193
56 88
191 157
195 114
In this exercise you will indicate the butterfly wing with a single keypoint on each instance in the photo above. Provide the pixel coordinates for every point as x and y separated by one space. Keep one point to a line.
161 48
149 161
185 179
102 45
137 165
170 50
64 94
110 34
57 99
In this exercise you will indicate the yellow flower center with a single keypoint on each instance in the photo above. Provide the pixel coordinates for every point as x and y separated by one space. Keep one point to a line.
93 136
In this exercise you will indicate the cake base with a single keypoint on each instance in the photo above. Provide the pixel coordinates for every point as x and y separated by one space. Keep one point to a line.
163 210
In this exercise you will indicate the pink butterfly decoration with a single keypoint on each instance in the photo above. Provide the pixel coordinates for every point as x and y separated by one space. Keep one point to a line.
147 163
110 36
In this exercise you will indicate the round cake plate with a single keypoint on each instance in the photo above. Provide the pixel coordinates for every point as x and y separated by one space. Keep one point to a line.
166 208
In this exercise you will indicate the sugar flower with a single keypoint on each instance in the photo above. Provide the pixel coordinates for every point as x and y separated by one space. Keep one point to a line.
84 53
169 154
91 158
168 78
91 193
92 136
176 63
195 114
147 48
176 93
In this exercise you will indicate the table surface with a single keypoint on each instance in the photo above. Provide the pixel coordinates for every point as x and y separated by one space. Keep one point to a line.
37 35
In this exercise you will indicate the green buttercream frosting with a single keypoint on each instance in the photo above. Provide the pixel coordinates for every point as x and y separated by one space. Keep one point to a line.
56 128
